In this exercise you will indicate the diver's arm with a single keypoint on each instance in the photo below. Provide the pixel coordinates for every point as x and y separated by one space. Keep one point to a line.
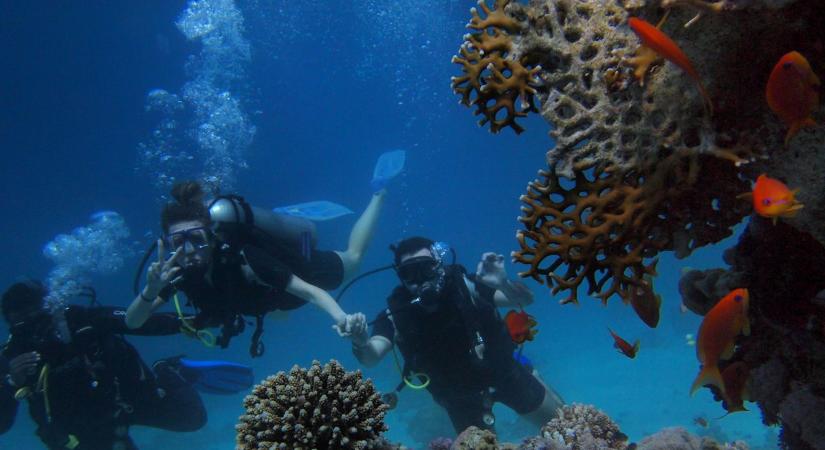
8 405
317 296
141 310
371 351
513 294
159 276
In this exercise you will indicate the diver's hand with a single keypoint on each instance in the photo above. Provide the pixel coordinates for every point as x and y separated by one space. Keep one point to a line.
22 367
162 272
353 326
490 270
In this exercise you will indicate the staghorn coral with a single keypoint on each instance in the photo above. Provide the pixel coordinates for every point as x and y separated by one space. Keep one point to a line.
584 427
605 226
323 407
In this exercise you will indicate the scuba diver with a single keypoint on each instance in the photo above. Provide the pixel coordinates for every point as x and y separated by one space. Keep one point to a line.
86 385
232 260
453 339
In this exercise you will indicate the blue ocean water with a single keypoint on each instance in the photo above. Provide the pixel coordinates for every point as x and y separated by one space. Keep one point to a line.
309 94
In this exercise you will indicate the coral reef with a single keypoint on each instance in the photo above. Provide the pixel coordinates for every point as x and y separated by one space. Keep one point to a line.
495 79
610 221
474 438
323 407
677 438
782 268
584 427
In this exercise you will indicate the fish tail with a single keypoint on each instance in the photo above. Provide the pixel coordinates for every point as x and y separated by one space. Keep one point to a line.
708 375
796 126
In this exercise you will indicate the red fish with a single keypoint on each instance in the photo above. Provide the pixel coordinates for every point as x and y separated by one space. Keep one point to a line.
521 326
717 337
735 376
793 92
624 347
773 199
659 42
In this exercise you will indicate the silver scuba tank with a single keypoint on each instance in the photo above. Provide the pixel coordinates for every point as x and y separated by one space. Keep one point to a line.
235 210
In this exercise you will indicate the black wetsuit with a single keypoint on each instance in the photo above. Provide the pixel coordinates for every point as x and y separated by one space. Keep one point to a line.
231 294
92 389
441 344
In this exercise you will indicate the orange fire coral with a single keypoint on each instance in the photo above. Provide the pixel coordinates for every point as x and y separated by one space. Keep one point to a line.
607 225
494 79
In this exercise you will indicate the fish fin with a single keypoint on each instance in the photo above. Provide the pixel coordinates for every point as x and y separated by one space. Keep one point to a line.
728 352
746 326
708 375
532 334
793 210
707 103
746 196
636 347
775 219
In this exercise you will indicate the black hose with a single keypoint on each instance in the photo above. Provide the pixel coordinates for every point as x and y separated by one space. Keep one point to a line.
146 256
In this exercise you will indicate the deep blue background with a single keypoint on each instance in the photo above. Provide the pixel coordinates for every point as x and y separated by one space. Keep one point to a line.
329 89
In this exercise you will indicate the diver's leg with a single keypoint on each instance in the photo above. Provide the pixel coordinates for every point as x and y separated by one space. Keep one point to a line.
528 395
467 410
361 235
547 410
175 405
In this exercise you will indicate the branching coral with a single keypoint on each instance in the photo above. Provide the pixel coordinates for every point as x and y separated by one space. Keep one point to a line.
584 427
498 83
323 407
606 224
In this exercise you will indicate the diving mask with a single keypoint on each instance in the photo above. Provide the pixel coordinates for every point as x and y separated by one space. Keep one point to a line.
417 270
198 238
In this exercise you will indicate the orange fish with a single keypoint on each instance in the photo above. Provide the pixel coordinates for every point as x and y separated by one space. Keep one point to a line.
521 326
646 303
793 92
661 44
624 347
735 376
772 198
717 336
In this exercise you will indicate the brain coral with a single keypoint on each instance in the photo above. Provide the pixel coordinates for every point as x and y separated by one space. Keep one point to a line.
323 407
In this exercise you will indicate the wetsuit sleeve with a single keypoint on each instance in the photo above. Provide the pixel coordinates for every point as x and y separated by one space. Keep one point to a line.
383 326
113 320
268 268
8 405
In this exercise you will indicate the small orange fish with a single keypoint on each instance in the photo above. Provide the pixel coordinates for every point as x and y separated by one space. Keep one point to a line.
659 42
735 376
772 198
646 302
717 335
793 92
521 326
624 347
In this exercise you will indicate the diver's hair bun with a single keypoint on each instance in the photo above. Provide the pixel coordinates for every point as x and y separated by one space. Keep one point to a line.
187 192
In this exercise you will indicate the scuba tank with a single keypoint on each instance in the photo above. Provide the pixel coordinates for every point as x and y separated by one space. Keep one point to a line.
231 213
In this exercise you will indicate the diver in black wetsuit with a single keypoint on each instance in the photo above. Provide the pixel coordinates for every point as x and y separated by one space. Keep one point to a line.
453 339
229 266
86 389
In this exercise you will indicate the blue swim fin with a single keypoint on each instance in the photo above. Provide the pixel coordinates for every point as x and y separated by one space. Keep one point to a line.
318 211
217 377
388 166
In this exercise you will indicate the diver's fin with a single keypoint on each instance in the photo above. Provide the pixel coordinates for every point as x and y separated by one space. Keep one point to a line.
217 377
318 211
388 166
